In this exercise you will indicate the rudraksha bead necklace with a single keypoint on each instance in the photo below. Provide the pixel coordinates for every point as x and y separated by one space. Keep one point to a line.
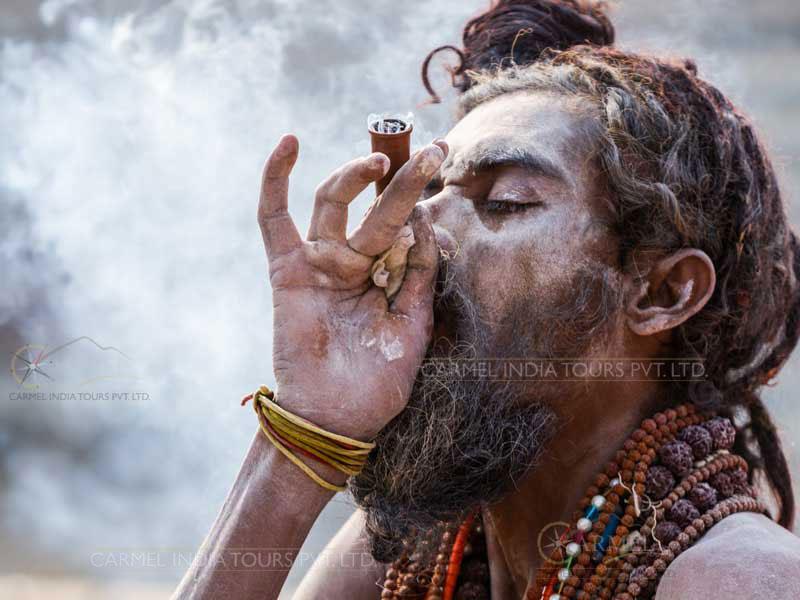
459 570
673 479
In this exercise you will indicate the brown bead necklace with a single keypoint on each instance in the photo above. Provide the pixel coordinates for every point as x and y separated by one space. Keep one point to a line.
673 479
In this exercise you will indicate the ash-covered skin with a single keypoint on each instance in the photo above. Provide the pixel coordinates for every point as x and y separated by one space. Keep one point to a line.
530 275
742 553
389 268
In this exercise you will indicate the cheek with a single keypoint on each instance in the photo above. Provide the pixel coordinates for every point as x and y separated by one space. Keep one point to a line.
528 263
505 274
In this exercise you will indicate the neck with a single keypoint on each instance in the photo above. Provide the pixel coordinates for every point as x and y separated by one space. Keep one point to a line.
590 433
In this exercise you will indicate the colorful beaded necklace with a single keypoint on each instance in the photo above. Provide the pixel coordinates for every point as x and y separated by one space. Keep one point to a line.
673 479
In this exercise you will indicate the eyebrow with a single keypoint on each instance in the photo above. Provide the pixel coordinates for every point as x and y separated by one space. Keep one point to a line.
489 155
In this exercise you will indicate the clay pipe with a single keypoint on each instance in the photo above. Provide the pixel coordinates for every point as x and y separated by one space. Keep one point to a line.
392 136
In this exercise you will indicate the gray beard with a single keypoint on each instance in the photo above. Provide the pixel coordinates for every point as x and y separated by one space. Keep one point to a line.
462 444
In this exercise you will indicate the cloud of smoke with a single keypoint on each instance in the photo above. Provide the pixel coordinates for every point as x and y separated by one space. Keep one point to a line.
133 137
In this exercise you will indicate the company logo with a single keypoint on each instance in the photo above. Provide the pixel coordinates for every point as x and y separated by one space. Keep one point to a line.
78 362
552 538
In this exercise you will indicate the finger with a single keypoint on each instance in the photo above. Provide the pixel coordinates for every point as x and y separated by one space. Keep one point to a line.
415 298
334 257
277 228
329 219
383 220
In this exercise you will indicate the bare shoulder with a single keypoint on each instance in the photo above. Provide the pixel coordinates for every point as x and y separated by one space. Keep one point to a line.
744 556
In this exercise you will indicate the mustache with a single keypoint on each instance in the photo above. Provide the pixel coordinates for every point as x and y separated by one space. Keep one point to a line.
455 313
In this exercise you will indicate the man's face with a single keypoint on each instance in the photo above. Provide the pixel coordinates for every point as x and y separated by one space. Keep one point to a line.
520 204
527 271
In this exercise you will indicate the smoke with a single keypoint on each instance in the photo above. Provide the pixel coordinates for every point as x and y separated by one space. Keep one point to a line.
133 137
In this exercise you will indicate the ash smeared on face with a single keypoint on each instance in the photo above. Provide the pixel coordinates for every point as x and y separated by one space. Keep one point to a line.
461 444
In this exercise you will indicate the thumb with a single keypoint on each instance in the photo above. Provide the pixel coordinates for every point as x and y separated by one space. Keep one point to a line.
415 298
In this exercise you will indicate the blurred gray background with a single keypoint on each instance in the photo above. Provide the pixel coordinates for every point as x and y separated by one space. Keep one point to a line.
133 134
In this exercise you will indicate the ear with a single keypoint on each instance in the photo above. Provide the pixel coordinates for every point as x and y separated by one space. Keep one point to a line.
675 288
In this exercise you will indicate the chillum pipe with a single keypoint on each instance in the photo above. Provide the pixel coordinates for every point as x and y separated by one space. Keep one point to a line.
397 146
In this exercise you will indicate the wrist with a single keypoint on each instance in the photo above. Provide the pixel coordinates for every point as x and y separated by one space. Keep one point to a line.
295 476
308 446
334 420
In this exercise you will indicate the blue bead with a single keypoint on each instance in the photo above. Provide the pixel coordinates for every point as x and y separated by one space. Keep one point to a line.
611 526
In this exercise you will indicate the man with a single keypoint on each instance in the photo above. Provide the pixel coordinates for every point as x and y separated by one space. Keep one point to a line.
589 206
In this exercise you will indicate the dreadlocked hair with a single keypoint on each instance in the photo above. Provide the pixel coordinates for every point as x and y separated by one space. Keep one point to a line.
684 168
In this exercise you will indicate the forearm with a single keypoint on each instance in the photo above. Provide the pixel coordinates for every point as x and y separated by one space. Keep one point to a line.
262 524
345 569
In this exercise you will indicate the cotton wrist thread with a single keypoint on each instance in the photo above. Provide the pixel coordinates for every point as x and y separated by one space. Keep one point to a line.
287 432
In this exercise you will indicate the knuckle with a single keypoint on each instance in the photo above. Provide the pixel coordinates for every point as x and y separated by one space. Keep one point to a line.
321 192
262 217
328 190
386 230
266 219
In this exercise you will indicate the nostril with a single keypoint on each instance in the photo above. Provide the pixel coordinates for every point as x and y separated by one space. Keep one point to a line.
444 240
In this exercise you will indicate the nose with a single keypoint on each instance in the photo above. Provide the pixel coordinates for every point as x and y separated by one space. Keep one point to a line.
445 237
432 206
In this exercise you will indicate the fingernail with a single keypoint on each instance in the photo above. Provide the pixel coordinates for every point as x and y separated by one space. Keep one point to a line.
442 145
378 161
431 160
284 144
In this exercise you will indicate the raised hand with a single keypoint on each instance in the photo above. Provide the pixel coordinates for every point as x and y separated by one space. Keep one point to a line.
343 356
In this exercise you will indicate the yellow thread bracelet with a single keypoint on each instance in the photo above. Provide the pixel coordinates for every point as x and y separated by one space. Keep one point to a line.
281 427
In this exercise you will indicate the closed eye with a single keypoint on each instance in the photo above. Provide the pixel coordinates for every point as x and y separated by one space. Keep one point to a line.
496 206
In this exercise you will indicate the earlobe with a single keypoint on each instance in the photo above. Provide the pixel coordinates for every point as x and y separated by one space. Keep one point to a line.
675 288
